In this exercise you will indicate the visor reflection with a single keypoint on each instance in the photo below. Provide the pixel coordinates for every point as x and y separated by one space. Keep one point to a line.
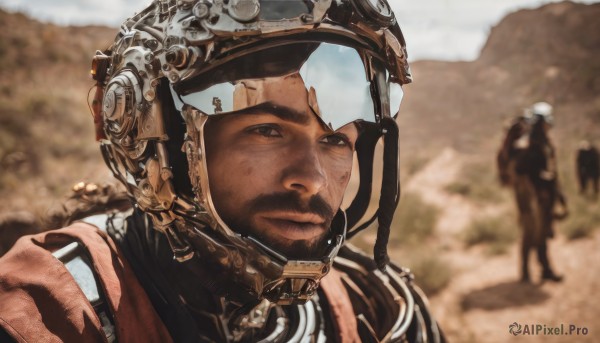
335 82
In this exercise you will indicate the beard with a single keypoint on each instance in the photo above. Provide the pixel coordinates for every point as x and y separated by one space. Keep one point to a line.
312 249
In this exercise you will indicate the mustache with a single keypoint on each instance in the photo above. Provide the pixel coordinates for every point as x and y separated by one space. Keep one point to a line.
291 201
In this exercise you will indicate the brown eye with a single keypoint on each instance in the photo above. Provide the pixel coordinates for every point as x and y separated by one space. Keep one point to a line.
265 130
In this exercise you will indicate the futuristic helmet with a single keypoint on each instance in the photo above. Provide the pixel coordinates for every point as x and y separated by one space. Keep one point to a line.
179 62
542 110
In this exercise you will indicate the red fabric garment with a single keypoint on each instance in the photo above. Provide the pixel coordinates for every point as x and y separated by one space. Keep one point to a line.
41 302
340 306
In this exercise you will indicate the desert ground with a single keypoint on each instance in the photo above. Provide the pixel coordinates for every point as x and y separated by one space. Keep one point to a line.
483 295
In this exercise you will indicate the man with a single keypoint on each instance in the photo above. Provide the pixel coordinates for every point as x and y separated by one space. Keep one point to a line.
538 193
588 167
234 126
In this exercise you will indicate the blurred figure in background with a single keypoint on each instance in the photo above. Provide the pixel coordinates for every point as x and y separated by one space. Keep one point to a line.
538 192
514 143
588 167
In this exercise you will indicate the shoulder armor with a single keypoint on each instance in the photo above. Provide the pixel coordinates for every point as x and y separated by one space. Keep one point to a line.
77 262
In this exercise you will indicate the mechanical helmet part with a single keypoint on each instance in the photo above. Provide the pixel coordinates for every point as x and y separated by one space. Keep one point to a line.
376 12
188 44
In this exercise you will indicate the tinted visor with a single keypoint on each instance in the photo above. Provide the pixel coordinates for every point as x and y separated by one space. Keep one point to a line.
339 89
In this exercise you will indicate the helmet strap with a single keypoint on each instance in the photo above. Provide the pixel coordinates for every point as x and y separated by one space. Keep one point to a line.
390 191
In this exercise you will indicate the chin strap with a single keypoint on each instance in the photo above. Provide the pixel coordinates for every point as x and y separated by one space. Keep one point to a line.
365 147
390 188
390 191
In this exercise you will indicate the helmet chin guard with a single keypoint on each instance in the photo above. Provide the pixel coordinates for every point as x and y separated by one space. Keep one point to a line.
172 44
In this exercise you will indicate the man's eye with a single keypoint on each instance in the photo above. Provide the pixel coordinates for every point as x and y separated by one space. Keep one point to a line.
266 131
336 140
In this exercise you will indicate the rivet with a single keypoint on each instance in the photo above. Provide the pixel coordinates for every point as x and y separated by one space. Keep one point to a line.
150 95
200 10
307 18
173 77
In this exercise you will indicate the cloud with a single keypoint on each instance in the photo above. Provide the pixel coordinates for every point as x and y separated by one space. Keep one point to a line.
434 29
80 12
453 29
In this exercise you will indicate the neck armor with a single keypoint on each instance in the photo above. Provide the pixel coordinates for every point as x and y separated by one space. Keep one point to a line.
172 43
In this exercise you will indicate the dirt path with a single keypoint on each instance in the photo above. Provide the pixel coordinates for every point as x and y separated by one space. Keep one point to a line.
484 296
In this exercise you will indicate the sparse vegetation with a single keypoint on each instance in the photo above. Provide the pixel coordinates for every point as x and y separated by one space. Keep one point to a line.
432 273
46 133
583 219
478 181
414 220
584 211
460 188
497 232
415 163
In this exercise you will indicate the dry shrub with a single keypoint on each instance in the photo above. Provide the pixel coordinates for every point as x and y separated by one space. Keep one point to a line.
496 232
478 181
432 273
583 219
414 220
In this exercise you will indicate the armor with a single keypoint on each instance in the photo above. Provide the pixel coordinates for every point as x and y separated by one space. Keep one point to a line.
386 306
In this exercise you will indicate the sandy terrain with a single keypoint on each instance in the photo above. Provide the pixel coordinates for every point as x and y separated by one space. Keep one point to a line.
485 296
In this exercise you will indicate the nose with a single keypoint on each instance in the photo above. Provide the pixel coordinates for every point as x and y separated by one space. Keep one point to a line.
305 174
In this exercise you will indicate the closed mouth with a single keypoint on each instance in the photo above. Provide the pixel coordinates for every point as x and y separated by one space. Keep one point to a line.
294 225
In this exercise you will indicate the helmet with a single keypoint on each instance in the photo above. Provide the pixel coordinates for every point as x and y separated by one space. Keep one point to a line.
176 63
542 110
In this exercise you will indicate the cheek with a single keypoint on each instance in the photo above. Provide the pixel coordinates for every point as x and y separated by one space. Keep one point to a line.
248 170
344 178
344 168
339 173
236 178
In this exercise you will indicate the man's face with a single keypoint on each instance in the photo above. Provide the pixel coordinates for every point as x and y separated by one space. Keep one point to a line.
276 173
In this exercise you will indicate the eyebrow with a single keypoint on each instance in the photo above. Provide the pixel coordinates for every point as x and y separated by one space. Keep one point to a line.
281 112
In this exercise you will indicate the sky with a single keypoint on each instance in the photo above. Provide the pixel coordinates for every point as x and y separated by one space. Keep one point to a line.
449 30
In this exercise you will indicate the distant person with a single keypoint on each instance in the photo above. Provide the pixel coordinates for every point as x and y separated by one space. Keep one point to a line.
538 192
514 142
588 167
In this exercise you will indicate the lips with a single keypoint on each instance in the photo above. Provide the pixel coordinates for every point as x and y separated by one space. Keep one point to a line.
293 225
